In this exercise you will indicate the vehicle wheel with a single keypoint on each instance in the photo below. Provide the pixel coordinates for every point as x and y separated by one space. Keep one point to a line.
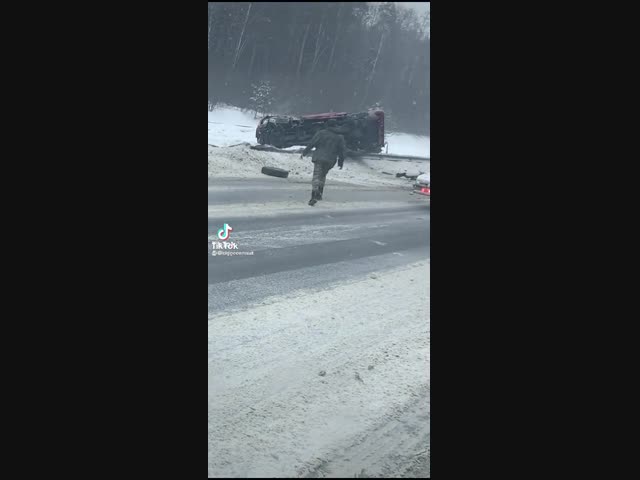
275 172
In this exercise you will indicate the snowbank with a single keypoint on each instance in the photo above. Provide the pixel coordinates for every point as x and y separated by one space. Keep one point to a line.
229 126
243 162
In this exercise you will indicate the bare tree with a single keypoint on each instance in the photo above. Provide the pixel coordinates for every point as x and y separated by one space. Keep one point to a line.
235 59
210 25
373 69
317 52
253 55
335 37
304 40
319 48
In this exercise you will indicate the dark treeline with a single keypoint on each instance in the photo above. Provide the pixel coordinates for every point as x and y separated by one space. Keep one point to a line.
319 57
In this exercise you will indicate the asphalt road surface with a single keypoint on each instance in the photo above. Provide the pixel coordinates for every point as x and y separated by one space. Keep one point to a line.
306 250
268 189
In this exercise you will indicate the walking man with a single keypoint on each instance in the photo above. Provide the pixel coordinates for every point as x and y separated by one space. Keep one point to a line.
329 145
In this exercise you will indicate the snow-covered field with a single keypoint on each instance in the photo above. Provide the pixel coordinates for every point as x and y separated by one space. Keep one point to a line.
407 144
330 383
230 126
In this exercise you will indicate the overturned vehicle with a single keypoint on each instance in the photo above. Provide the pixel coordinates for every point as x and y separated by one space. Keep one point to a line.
363 132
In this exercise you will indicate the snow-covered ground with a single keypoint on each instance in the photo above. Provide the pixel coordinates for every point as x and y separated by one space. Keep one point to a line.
230 126
407 144
242 161
329 383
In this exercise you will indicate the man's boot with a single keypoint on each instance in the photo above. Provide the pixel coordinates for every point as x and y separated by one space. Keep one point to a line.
314 198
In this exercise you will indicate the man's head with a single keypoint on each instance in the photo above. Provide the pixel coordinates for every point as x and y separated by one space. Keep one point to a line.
333 126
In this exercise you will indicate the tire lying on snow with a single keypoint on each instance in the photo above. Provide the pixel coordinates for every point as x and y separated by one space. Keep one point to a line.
275 172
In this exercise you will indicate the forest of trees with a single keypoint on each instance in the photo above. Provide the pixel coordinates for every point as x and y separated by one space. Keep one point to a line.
322 56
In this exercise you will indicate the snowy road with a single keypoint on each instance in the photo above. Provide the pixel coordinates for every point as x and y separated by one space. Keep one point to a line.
224 191
305 247
319 342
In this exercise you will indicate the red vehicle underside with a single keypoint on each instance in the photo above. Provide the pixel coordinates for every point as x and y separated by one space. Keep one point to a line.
324 116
